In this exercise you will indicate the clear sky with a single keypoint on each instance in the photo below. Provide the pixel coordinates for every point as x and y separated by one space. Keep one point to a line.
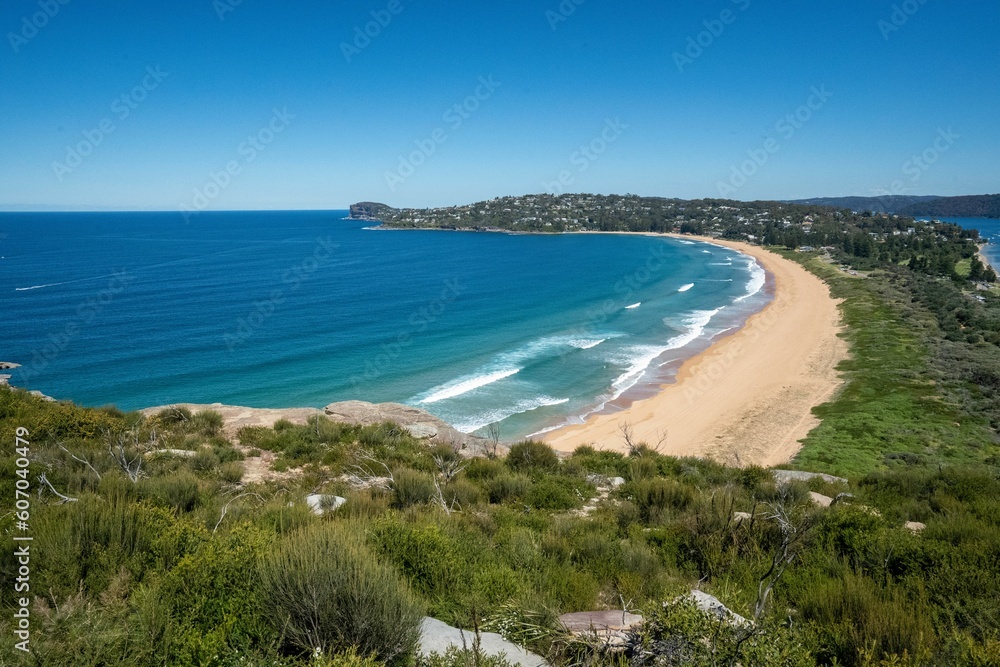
136 105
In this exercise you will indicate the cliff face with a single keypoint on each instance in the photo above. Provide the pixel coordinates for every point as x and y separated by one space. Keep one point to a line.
367 210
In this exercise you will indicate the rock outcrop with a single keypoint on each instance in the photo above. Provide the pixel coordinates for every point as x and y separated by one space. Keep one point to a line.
786 476
711 605
610 627
437 637
417 422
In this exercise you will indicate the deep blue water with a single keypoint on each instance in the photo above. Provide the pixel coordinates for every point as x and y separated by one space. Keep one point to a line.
287 309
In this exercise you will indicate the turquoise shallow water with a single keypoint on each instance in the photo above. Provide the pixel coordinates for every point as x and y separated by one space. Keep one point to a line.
275 309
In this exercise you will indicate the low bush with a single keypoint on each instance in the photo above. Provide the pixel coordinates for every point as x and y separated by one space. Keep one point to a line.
532 457
331 594
412 488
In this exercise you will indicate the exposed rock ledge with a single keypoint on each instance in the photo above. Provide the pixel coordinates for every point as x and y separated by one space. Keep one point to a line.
419 423
236 417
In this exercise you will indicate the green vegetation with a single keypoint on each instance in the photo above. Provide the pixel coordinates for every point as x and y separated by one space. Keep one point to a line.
153 545
892 412
184 566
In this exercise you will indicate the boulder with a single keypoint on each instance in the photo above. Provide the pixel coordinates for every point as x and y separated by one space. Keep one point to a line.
437 637
615 482
610 627
422 431
786 476
8 366
820 500
740 517
320 503
38 394
367 414
712 606
915 526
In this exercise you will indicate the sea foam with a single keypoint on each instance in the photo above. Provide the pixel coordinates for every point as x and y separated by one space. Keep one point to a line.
639 357
464 386
758 277
475 422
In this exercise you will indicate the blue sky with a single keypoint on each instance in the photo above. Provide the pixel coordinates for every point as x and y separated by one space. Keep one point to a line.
259 104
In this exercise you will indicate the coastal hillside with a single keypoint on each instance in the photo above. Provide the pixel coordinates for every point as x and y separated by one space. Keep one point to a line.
979 206
881 204
975 206
152 543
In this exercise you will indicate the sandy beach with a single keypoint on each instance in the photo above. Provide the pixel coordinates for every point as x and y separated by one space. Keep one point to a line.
747 399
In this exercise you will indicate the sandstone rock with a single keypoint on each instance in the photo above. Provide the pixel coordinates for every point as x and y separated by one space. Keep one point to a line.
236 417
366 414
5 380
610 627
615 482
38 394
915 526
786 476
711 605
320 503
8 366
422 431
820 500
437 637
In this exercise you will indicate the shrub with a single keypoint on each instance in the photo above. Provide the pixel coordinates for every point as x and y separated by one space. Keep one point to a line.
462 493
643 467
482 469
208 422
558 493
173 416
179 491
412 488
204 461
654 496
455 657
852 616
334 595
507 487
532 457
231 472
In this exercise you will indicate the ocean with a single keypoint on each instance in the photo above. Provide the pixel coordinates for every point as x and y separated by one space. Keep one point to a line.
294 309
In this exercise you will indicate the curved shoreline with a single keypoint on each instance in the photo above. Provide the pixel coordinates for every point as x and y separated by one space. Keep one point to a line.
748 398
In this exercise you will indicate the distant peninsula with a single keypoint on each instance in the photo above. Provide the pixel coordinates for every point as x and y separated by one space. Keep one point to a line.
973 206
